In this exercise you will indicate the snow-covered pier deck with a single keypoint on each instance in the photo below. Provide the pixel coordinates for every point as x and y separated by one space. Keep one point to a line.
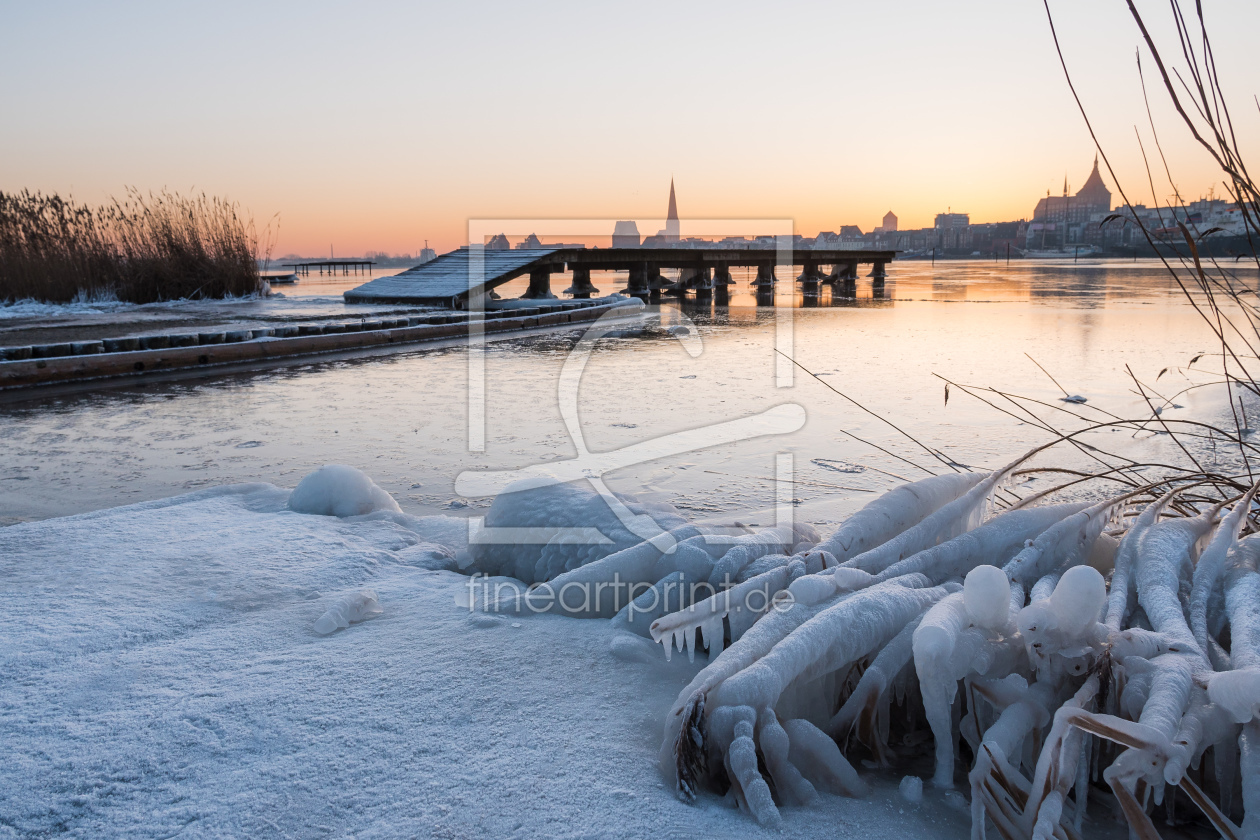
453 278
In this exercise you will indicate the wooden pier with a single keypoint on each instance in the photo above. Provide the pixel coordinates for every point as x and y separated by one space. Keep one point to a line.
453 278
347 267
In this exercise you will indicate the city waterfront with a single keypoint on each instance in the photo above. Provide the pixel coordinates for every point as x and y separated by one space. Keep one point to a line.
402 418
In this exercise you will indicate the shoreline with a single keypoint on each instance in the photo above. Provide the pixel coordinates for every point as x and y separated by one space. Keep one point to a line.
22 375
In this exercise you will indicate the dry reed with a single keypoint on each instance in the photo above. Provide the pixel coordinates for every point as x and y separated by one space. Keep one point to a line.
162 246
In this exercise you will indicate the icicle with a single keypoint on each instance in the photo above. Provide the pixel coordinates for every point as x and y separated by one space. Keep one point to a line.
1212 562
892 513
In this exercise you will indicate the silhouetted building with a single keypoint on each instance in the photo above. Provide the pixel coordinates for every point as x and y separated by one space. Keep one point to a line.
889 224
498 242
1092 198
952 232
626 235
1061 220
672 229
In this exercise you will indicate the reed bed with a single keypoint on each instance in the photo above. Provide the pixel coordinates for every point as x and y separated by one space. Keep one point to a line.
145 248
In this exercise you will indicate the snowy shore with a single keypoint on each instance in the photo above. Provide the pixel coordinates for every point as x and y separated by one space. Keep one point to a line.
160 674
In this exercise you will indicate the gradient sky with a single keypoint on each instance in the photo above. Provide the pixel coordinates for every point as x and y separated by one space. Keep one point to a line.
377 125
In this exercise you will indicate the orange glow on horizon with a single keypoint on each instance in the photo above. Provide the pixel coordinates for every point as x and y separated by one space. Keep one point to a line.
928 107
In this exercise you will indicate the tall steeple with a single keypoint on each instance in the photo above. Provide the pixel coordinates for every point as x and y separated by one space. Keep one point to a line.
672 230
1095 189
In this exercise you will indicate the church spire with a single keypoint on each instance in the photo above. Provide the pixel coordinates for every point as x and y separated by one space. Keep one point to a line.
672 232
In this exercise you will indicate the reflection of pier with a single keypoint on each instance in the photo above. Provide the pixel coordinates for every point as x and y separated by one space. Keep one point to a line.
453 277
347 267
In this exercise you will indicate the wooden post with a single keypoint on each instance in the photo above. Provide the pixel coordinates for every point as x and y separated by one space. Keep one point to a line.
539 285
581 288
638 284
765 274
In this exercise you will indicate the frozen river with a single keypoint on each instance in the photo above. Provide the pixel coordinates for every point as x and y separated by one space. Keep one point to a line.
404 419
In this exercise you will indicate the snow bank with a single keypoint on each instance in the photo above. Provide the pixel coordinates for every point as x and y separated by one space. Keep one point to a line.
159 676
338 490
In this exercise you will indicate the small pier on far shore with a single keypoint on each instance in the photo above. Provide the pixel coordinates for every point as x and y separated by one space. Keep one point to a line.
473 273
345 267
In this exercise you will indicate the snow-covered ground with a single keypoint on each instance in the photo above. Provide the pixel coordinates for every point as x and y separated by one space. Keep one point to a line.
161 675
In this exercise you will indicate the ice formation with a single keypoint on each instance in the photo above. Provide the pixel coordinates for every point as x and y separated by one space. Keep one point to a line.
1002 633
1040 655
911 789
1021 639
338 490
556 511
348 609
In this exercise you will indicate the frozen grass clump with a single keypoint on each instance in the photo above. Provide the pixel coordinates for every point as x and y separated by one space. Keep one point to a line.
1006 642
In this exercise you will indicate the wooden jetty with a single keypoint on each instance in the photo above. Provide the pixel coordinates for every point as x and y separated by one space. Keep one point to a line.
346 267
453 278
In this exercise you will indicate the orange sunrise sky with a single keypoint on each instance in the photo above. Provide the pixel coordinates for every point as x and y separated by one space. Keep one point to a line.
378 125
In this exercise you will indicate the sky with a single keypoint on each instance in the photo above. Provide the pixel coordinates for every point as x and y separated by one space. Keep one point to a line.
378 125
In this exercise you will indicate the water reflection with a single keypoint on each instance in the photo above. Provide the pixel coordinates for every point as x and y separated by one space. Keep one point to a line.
402 417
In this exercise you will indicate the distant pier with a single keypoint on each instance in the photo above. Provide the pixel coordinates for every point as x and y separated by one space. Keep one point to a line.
347 267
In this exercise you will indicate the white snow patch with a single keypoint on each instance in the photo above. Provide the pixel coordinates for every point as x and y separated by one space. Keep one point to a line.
338 490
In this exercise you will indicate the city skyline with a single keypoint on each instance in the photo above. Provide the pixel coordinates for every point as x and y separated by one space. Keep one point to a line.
371 129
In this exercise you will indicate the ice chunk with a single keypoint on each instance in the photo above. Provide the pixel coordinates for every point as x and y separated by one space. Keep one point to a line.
911 788
429 555
584 527
1237 692
349 609
987 597
1080 596
338 490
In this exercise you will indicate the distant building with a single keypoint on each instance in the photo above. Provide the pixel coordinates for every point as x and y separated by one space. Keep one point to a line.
625 235
951 221
530 241
498 242
952 232
889 224
427 254
1061 220
672 229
